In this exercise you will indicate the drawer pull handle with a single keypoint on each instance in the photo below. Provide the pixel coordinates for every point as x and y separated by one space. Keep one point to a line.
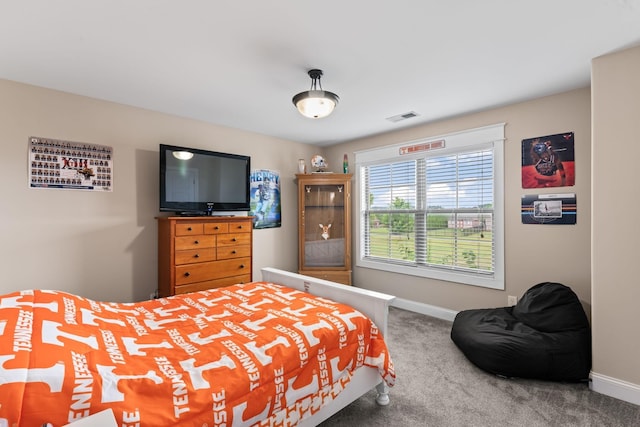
241 265
234 239
189 229
196 243
240 227
233 252
196 256
187 274
216 228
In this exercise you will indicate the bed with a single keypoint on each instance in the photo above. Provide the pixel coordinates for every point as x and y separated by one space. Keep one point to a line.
286 350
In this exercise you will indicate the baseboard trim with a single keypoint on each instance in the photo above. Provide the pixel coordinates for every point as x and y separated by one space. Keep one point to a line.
613 387
426 309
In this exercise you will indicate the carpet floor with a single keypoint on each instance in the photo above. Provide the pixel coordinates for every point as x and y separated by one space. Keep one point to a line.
437 386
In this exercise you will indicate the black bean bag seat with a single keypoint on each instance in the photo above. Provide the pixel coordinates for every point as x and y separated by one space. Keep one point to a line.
545 336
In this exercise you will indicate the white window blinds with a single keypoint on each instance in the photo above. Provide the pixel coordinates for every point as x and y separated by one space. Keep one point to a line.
437 213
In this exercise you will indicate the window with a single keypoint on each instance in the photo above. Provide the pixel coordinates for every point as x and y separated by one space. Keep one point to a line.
434 207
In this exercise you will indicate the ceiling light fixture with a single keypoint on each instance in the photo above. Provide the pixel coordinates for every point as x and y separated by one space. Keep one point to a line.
182 155
315 103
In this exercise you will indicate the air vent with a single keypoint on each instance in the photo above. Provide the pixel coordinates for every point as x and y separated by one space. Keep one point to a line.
401 117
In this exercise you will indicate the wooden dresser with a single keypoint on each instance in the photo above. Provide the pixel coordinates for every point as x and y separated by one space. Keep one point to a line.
197 253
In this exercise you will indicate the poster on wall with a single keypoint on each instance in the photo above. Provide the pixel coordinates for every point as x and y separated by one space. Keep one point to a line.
58 164
548 161
549 209
265 198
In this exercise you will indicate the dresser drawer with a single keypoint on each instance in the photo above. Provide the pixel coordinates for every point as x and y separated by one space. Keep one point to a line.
240 227
195 242
209 284
227 252
233 239
216 228
189 229
203 271
195 255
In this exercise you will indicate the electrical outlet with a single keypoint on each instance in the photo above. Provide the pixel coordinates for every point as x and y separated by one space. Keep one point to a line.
512 300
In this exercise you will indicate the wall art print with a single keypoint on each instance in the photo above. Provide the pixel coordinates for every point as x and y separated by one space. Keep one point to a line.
265 198
549 209
548 161
59 164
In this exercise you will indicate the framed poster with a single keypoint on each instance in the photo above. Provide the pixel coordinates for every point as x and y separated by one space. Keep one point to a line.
58 164
265 198
548 161
549 209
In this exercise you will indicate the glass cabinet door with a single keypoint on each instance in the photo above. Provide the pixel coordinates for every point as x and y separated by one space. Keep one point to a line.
324 227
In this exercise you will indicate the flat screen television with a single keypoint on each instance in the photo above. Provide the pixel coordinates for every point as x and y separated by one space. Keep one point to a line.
202 182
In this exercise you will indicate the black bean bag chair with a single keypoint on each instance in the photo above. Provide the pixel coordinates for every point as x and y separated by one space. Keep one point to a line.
545 336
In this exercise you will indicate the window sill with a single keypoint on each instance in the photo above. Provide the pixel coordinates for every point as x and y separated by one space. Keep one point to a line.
495 281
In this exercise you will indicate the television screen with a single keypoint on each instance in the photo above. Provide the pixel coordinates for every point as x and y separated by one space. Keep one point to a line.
201 182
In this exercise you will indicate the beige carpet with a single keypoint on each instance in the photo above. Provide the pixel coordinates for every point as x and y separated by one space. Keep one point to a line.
437 386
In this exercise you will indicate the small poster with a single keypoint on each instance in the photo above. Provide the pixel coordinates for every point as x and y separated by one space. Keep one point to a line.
549 209
548 161
265 198
70 165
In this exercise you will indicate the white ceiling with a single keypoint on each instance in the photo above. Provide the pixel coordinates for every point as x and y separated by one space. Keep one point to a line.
239 63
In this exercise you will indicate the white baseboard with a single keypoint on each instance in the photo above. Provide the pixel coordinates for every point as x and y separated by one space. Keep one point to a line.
613 387
426 309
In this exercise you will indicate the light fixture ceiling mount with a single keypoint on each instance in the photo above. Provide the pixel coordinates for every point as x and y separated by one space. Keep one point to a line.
182 155
315 103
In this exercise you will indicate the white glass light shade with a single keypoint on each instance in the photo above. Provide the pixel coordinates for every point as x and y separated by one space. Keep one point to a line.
182 155
315 104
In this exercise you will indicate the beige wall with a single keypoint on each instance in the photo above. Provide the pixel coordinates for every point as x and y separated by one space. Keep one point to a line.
103 245
534 253
615 236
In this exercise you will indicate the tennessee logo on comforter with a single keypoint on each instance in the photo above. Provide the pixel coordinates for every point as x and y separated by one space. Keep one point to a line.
257 353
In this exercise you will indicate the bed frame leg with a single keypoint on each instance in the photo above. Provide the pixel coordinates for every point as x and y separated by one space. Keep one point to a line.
383 394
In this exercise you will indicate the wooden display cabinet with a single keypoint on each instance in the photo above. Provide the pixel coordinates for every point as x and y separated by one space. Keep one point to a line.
324 226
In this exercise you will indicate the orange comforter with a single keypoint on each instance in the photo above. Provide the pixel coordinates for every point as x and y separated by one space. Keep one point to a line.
258 353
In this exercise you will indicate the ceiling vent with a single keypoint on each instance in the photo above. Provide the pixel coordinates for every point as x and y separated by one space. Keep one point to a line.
404 116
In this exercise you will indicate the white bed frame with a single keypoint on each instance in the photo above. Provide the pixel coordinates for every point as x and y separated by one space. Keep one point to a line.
373 304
